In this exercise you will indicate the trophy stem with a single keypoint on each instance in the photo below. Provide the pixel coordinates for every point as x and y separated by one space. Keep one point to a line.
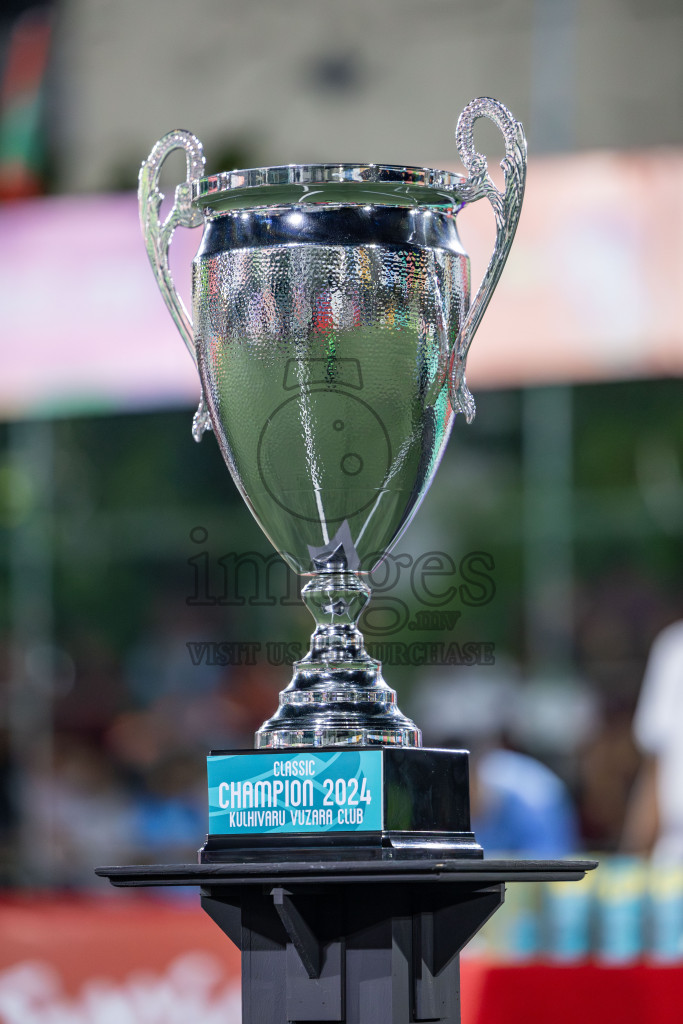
337 695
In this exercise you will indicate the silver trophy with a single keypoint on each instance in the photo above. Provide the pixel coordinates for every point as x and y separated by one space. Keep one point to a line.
331 324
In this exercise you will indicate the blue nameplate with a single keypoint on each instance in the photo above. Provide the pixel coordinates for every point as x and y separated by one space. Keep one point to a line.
295 791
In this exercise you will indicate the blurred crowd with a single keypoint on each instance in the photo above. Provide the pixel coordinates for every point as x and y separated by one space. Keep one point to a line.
122 778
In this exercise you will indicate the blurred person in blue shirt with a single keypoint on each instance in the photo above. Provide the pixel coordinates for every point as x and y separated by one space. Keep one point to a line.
520 806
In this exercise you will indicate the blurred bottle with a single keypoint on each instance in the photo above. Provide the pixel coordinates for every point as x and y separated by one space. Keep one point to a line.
513 933
567 915
665 912
620 890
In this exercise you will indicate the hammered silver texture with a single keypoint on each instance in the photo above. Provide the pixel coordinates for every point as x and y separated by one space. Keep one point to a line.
325 371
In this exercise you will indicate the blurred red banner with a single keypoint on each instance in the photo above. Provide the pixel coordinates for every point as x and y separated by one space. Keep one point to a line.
133 959
123 959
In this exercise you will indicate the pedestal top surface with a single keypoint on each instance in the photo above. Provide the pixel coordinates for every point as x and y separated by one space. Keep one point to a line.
319 872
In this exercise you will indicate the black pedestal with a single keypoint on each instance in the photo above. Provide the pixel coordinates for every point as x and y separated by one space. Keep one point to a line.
362 942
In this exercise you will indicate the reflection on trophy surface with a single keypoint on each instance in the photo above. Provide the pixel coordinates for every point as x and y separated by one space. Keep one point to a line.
331 324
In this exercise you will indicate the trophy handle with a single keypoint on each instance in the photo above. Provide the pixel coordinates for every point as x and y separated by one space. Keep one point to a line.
506 208
158 236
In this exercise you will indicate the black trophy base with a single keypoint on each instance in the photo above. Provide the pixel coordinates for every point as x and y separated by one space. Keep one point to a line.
357 846
370 942
425 813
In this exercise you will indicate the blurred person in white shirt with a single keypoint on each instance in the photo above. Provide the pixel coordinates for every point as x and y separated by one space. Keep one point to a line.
654 823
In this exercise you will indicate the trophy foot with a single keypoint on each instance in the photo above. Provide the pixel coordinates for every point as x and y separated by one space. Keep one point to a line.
281 733
337 696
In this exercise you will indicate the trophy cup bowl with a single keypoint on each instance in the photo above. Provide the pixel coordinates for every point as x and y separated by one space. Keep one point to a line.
331 324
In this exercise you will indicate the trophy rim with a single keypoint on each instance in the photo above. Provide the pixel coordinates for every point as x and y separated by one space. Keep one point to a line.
206 190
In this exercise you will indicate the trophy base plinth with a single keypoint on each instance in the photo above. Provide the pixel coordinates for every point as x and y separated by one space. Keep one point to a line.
368 847
338 803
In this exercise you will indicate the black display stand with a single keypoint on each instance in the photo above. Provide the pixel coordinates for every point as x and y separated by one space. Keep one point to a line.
358 942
